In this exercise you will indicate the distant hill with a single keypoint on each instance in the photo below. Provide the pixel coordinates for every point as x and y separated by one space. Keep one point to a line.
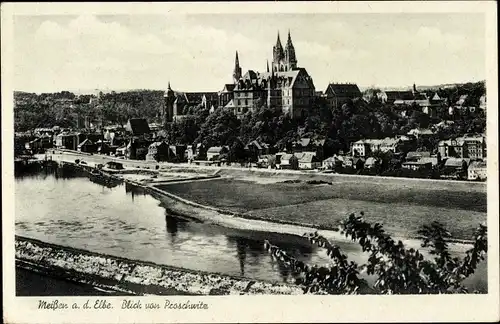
419 87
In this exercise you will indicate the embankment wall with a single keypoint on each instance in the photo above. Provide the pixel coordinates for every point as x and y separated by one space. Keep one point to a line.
131 276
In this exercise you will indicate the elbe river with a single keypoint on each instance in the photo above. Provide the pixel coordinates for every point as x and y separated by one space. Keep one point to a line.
64 207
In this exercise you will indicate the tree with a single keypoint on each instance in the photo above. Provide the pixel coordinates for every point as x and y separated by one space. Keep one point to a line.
220 128
398 270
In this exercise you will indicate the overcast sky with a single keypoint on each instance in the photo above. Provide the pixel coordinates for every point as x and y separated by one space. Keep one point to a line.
196 52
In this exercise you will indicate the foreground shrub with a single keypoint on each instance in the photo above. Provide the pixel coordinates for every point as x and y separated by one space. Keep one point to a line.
397 270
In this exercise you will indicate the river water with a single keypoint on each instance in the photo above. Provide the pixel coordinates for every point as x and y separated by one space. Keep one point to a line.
63 207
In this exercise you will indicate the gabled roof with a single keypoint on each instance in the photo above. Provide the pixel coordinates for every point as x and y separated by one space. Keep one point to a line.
307 157
399 95
332 159
319 142
477 165
304 142
230 104
287 156
215 149
350 90
432 160
455 162
138 126
157 144
418 155
421 131
229 87
197 97
86 142
371 160
419 162
257 144
436 97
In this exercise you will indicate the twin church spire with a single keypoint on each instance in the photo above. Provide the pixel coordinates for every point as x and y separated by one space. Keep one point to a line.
284 59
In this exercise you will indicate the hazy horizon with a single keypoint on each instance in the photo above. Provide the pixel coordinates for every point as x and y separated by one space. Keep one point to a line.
196 52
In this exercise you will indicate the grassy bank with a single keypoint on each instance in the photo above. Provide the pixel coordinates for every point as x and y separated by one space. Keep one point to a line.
401 209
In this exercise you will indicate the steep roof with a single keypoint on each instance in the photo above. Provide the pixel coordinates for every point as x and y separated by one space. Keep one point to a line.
157 144
215 149
420 131
85 142
477 165
138 126
229 87
418 155
455 162
371 160
257 144
287 156
230 104
257 80
307 157
350 90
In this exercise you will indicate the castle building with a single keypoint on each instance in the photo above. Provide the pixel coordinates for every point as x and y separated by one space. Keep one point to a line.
178 103
285 86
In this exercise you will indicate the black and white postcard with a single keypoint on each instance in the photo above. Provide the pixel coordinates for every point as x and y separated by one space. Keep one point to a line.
250 162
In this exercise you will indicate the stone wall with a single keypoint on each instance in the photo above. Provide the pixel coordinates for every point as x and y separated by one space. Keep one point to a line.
133 276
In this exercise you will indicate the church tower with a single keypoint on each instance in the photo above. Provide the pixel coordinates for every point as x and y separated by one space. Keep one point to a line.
168 114
290 59
237 69
278 56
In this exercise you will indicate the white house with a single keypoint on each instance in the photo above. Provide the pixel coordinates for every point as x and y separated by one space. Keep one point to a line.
308 161
477 171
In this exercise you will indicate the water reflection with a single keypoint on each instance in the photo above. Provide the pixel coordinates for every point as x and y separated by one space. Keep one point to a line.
173 226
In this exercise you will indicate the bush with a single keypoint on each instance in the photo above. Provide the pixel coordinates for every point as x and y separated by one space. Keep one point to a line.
398 270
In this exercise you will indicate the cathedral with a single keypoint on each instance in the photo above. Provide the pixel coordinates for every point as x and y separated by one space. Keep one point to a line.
284 85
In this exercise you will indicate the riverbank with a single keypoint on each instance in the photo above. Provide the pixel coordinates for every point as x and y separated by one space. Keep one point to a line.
304 215
258 174
133 277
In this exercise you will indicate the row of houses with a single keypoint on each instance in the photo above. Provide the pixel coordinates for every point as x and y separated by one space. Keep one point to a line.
467 146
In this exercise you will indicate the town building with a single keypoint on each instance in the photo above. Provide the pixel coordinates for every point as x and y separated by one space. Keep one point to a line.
215 152
255 149
365 147
420 132
338 94
307 144
226 95
157 151
87 146
417 165
137 127
477 171
308 161
473 147
456 165
287 161
371 163
177 104
67 141
416 156
331 163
